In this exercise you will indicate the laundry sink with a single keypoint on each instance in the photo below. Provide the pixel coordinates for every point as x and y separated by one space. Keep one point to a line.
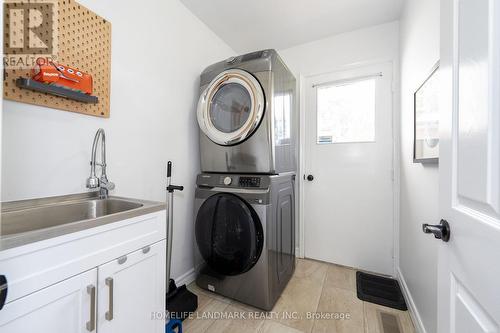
49 217
30 219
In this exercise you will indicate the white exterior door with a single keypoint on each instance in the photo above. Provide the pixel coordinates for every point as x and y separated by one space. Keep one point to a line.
469 264
68 306
348 181
132 292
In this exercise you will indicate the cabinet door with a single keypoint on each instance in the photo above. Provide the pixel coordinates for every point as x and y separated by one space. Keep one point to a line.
68 306
132 292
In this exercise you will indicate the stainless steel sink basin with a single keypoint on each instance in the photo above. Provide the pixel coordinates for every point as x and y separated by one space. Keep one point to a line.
37 219
53 215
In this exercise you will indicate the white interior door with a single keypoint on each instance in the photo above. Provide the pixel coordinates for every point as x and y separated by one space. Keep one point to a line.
469 171
348 205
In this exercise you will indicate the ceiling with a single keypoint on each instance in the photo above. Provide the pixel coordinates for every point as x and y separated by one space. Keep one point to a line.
249 25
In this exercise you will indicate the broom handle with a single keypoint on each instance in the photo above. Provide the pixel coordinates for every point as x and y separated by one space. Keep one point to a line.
170 202
170 218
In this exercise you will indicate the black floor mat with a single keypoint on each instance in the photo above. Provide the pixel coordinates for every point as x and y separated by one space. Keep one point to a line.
380 290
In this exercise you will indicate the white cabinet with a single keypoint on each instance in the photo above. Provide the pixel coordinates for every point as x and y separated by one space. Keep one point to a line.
131 291
124 295
51 283
68 306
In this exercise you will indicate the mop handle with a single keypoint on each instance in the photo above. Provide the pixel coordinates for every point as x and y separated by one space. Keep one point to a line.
170 216
171 188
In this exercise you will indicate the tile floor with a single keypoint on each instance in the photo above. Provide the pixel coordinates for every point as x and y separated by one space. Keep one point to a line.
316 288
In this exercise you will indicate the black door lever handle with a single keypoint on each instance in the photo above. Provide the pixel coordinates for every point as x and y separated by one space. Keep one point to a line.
440 231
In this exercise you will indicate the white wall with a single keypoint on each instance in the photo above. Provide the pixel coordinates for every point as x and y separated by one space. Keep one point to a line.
158 51
377 44
419 184
365 46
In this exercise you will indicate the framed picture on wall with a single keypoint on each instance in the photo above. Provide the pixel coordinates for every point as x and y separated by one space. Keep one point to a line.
426 119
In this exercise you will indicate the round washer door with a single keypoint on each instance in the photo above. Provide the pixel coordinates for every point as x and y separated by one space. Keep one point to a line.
229 234
231 107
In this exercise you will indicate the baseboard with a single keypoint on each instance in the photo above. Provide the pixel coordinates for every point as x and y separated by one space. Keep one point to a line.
186 278
415 316
297 252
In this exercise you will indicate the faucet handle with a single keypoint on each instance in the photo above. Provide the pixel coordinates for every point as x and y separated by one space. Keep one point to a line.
108 185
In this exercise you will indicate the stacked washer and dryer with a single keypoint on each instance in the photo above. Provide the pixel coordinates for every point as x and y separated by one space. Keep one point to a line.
245 195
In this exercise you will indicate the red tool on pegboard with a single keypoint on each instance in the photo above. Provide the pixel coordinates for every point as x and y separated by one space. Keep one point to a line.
49 72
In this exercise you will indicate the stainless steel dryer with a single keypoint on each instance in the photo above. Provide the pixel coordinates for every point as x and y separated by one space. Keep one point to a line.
245 236
246 114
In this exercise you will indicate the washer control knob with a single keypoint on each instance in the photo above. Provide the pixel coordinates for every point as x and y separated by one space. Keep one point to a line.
228 181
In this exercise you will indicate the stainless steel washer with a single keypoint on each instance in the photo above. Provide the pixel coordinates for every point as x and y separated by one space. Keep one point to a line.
246 114
245 236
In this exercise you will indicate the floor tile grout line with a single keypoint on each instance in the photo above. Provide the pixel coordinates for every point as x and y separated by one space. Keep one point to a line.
319 298
194 319
286 325
365 321
213 322
259 329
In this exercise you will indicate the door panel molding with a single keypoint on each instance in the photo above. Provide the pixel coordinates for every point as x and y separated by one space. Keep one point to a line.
477 124
465 306
469 170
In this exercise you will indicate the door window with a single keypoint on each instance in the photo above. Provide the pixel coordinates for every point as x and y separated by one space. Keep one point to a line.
230 107
346 112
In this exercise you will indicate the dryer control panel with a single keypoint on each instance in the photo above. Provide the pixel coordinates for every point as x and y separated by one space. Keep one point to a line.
249 181
233 181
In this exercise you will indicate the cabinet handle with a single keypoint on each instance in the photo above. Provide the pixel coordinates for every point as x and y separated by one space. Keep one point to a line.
91 322
146 249
109 314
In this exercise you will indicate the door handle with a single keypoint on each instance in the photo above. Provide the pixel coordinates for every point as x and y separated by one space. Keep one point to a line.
91 323
109 314
310 178
440 231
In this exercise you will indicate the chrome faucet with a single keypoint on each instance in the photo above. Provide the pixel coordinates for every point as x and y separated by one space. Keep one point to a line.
102 183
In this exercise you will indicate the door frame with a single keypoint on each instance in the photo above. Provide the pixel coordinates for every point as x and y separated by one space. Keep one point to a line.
396 133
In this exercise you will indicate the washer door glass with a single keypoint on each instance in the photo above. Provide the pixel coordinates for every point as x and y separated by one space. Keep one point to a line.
229 234
231 107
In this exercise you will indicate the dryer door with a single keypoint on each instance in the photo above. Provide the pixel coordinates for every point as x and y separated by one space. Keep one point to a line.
231 107
229 234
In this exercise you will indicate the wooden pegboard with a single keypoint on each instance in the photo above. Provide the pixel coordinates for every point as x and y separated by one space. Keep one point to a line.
84 42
